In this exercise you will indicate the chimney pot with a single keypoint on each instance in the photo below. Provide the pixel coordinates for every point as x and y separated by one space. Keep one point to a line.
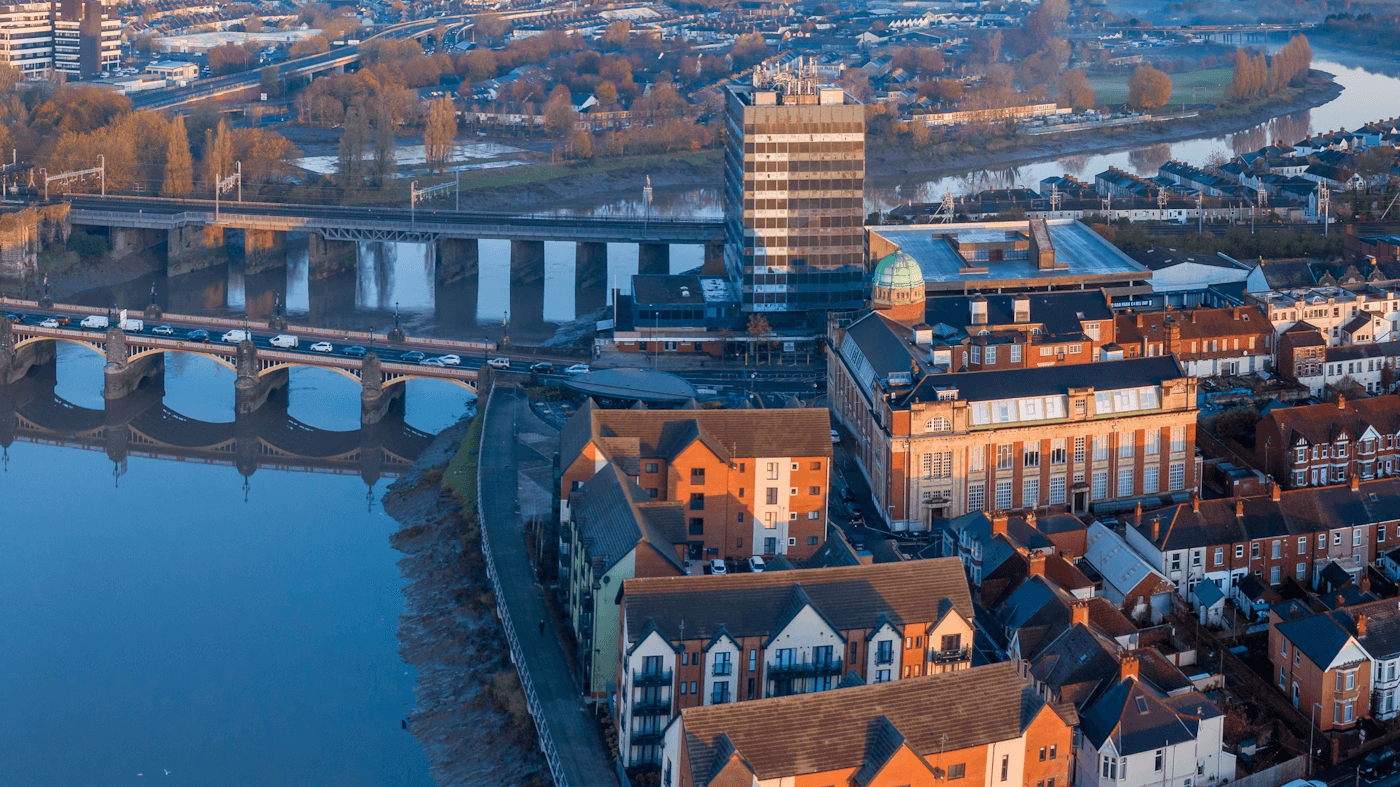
1195 503
1341 401
1079 613
1273 491
1239 508
1361 625
1128 667
1037 567
1156 529
999 523
1355 483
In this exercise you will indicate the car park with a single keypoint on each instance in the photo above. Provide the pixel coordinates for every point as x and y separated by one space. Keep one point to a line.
322 347
413 356
450 360
756 564
355 351
717 567
200 335
163 330
499 363
578 368
543 367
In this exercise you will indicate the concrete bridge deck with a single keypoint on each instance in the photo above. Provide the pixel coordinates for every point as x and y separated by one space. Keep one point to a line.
385 224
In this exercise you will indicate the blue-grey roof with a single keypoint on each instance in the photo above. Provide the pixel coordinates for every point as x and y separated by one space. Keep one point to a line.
1318 637
1085 252
1208 593
1138 719
1049 380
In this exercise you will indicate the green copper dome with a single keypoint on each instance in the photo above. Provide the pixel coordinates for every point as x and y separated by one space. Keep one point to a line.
898 271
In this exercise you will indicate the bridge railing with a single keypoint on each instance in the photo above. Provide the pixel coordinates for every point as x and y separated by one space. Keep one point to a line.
517 655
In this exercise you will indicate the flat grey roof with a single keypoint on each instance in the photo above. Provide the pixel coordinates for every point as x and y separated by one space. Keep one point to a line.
1086 253
646 385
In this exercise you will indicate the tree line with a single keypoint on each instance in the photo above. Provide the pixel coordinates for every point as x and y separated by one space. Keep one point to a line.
1257 75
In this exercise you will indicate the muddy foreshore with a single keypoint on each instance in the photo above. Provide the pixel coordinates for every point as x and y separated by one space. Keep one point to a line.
449 633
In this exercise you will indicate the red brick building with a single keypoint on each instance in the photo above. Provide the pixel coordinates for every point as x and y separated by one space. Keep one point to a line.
1325 444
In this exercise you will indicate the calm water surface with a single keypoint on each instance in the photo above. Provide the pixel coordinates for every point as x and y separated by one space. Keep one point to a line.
161 615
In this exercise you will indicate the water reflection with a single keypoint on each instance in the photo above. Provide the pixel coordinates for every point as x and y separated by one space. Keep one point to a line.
1145 160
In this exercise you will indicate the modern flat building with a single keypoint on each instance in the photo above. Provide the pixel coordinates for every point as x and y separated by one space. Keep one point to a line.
711 640
754 482
988 725
79 38
794 193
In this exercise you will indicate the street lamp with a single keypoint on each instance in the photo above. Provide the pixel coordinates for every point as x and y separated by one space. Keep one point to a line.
1312 717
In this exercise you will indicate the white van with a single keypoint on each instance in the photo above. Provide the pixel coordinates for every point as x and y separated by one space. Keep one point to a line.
285 340
237 335
132 326
93 322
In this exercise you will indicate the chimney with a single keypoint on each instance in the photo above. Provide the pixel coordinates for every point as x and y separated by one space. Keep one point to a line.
1037 567
1361 625
1156 530
1128 668
1138 511
1273 491
998 523
1195 503
1030 517
1139 319
1355 482
1239 508
1341 401
1236 312
1079 612
1193 316
1365 583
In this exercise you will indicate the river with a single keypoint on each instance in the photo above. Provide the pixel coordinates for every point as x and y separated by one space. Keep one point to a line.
178 622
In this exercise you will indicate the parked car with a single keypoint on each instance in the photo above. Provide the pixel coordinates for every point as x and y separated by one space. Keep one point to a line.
499 363
200 335
1378 763
835 436
543 367
412 356
236 335
163 330
355 351
717 567
322 347
284 340
756 564
450 360
578 368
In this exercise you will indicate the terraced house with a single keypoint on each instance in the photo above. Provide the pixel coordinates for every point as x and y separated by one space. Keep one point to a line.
1339 666
988 725
1325 444
713 640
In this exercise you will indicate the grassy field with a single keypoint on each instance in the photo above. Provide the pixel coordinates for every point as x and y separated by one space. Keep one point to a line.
1209 87
460 476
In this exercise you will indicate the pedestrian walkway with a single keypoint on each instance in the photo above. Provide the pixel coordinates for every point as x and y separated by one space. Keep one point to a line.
582 758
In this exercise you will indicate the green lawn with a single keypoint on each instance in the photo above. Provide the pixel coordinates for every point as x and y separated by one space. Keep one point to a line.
1209 86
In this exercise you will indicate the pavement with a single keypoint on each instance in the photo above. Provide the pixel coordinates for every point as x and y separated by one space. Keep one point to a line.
584 757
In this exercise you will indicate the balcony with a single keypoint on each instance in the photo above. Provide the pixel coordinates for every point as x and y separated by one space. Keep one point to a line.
806 669
647 738
651 708
651 678
949 656
884 659
722 670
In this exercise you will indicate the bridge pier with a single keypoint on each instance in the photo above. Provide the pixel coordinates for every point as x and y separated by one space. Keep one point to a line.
527 284
121 376
458 259
193 247
653 259
252 390
375 398
15 363
327 257
263 250
590 276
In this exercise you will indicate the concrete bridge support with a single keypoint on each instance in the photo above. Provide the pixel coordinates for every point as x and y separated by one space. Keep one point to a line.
263 250
252 390
15 363
325 258
121 376
458 259
590 276
125 241
653 259
375 398
527 284
193 247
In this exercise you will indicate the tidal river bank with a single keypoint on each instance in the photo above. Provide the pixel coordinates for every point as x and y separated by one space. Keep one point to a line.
469 713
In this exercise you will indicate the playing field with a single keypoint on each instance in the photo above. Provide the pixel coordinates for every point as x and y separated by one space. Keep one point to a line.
1191 88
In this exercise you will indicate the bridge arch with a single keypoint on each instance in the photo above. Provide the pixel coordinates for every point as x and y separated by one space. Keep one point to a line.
220 360
288 365
407 377
95 347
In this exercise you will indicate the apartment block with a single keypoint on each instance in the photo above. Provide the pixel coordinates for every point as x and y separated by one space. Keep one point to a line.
754 482
988 725
794 193
1206 342
713 640
1365 313
1068 438
1326 444
79 38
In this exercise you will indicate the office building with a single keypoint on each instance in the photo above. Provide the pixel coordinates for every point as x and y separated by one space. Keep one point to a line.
78 38
794 193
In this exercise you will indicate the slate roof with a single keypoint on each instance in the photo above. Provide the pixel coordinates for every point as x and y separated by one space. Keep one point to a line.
1048 381
1320 423
729 433
831 730
1318 636
1061 313
1322 636
1140 719
1208 593
614 516
1158 258
749 605
1116 562
1197 324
